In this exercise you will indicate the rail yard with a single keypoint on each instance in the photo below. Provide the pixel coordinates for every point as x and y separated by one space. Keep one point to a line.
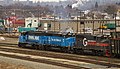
67 34
9 48
74 48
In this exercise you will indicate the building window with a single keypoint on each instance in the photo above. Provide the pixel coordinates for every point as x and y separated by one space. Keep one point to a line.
35 20
27 20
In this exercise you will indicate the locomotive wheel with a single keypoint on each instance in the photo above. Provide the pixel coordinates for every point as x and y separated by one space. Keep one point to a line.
100 53
64 49
21 45
46 48
67 50
97 53
39 47
94 52
61 49
76 51
70 50
49 47
34 46
43 47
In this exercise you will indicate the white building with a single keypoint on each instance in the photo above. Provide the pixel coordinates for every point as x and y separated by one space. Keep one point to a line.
31 22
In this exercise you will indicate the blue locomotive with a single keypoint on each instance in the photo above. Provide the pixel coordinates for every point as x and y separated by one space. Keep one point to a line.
43 40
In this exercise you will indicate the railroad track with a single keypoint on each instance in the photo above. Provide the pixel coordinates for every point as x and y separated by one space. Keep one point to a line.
52 61
14 46
10 36
10 44
67 60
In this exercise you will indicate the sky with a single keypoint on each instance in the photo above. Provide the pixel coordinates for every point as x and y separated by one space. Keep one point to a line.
45 0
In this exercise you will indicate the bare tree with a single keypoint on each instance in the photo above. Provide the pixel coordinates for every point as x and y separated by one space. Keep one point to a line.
111 9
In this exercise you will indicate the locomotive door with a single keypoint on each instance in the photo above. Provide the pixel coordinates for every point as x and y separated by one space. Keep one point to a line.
81 41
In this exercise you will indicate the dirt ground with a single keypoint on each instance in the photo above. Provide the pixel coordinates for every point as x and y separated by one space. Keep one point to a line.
4 65
8 40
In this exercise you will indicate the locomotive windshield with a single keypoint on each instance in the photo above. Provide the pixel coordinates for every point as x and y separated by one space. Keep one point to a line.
105 40
102 39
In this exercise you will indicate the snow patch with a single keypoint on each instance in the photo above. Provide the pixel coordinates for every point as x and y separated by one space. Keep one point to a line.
2 38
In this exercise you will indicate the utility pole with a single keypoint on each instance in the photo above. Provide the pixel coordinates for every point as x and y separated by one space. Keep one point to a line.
38 17
80 20
14 15
84 21
54 23
93 22
59 16
103 22
115 25
77 21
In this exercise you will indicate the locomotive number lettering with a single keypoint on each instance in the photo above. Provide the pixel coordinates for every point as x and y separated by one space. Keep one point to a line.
85 42
58 40
33 37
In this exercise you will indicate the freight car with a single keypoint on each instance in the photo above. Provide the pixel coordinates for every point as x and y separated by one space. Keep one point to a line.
66 42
